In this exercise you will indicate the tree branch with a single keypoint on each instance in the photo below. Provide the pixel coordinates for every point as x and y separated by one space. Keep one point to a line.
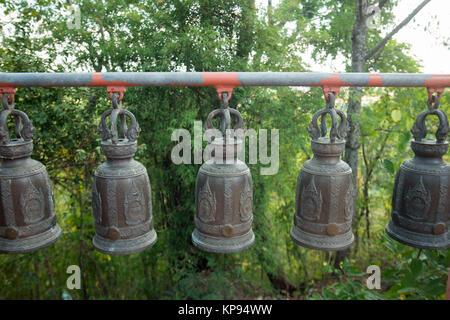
396 29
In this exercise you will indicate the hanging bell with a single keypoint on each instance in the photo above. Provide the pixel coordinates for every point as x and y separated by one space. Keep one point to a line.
121 196
325 194
27 215
223 194
421 199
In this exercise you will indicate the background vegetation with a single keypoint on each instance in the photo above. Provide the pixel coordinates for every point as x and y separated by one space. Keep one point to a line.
214 35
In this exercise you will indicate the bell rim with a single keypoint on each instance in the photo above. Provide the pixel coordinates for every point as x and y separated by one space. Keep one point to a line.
305 239
400 234
222 245
50 236
125 246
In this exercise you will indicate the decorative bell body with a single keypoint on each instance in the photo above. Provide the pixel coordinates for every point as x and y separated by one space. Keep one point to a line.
325 193
224 197
421 198
27 215
121 196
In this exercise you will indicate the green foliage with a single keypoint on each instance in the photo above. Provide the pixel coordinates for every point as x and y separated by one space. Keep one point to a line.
419 275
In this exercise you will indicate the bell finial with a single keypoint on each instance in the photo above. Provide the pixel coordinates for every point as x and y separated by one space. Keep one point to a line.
336 132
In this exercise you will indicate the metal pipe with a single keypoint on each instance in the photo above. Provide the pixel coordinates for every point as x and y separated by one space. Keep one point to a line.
223 79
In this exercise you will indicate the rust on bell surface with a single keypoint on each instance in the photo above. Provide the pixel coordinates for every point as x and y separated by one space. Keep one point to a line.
325 194
421 196
228 230
439 229
332 229
27 215
121 195
224 193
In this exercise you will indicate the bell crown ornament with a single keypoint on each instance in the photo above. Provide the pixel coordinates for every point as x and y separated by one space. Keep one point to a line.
325 193
27 215
421 198
121 194
224 191
115 145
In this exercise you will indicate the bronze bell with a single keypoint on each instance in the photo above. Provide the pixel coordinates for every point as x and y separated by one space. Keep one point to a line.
223 194
421 198
325 193
27 215
121 196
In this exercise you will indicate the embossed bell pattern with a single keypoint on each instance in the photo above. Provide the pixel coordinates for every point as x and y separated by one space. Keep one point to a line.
325 194
421 198
27 215
121 195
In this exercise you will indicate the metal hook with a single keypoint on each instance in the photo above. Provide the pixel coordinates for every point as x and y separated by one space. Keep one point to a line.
115 101
8 104
327 90
434 102
330 103
116 98
331 100
225 122
8 101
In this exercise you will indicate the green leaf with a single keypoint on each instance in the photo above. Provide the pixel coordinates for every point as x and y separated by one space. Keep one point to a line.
396 115
389 166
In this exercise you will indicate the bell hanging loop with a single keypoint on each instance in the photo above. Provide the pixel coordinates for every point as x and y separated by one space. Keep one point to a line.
336 132
27 215
324 202
224 192
225 122
226 118
8 101
421 196
331 101
121 195
419 130
434 102
116 96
